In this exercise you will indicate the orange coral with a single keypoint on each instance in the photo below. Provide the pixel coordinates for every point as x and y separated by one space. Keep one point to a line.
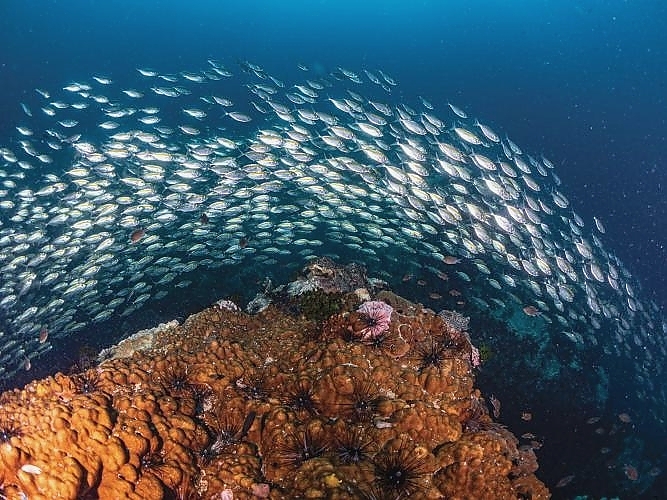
268 406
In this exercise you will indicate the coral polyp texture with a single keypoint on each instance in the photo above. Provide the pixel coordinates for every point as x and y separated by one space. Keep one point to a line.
272 405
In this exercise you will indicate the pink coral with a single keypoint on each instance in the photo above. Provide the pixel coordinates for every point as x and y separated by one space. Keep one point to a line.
378 317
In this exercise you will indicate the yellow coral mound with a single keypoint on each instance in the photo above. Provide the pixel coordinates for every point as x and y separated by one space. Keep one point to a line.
271 406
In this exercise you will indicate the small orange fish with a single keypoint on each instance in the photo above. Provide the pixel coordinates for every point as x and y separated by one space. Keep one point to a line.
137 234
531 311
631 472
451 260
43 335
526 416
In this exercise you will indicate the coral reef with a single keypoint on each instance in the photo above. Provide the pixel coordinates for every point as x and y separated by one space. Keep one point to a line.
455 319
331 277
273 405
317 305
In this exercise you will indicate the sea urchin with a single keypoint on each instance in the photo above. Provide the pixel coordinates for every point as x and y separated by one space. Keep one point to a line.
377 315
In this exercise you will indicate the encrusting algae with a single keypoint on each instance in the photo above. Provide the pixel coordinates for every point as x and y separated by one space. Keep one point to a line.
273 405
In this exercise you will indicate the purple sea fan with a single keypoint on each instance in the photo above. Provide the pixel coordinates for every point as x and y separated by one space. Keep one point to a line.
378 317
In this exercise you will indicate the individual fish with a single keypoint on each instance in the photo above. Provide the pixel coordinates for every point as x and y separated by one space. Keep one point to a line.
458 111
147 72
565 480
238 117
137 235
26 109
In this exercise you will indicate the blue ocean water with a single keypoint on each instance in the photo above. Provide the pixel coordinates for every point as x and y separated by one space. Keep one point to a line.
582 82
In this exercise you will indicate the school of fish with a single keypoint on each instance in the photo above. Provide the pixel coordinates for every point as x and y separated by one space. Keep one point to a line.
114 195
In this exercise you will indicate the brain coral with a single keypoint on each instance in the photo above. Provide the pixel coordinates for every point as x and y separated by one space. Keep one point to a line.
231 405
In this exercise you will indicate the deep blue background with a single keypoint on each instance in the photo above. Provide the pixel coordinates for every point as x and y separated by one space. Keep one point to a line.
583 82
